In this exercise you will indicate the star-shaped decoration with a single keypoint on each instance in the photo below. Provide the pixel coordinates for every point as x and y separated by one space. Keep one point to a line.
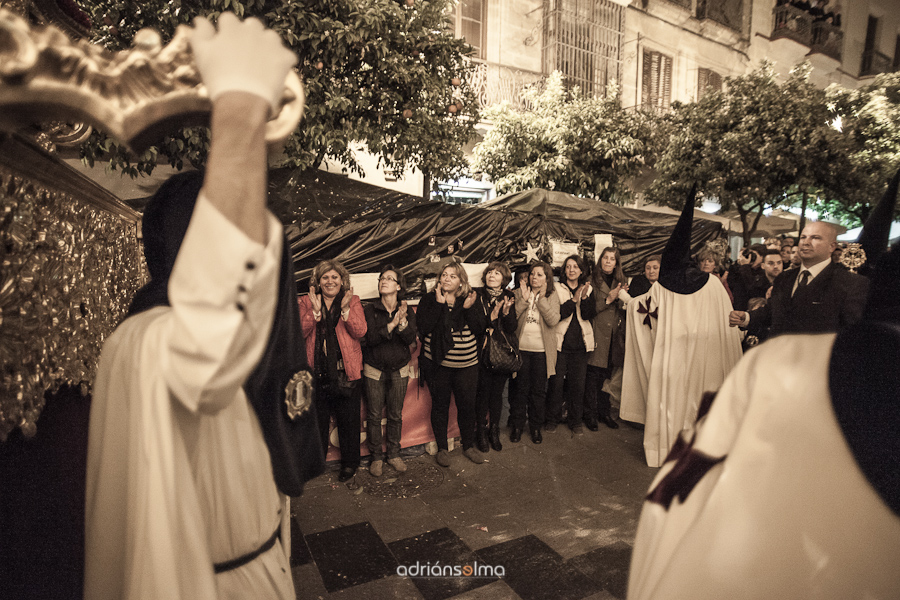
531 253
644 309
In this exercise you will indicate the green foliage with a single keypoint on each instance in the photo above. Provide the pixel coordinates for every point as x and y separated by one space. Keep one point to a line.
869 119
363 62
756 145
571 143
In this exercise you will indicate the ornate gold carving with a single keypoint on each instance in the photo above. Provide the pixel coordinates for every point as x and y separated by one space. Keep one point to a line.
853 256
68 269
298 394
136 95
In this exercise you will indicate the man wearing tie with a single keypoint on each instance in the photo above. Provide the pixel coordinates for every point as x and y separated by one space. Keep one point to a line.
818 297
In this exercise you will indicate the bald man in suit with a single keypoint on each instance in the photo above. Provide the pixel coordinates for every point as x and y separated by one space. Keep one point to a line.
819 297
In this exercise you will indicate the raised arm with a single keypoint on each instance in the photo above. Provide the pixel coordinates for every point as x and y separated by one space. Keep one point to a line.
243 67
223 286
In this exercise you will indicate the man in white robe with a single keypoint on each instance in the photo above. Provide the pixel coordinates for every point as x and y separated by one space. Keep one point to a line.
678 345
180 483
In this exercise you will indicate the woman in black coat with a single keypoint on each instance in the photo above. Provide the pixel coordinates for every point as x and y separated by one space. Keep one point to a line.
498 305
450 325
390 332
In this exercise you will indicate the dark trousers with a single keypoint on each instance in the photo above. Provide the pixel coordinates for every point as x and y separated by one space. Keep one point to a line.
385 395
463 383
596 401
567 386
343 403
531 391
489 399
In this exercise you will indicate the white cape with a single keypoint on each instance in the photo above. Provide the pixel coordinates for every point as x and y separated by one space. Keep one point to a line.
671 358
786 513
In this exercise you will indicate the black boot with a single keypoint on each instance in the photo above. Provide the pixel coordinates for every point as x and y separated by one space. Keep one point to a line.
495 438
515 434
609 422
481 439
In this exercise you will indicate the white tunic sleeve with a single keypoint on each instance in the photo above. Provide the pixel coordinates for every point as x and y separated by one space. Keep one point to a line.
223 291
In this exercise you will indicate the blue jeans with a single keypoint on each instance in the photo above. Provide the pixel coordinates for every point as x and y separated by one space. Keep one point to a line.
385 393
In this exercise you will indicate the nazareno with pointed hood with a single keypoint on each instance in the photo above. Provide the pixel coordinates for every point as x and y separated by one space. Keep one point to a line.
294 445
677 272
864 377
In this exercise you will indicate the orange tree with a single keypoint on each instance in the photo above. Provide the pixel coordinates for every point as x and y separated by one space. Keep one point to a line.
758 144
387 74
568 142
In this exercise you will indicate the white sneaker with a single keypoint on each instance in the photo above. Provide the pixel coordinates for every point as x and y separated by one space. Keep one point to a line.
375 468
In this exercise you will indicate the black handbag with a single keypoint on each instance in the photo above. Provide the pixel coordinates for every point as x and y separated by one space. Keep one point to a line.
499 354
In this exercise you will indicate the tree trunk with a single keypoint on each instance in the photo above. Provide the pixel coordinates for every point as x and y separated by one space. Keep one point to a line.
802 223
744 213
745 231
426 186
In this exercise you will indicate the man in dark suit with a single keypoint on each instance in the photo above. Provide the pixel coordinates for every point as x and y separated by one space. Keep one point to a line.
818 297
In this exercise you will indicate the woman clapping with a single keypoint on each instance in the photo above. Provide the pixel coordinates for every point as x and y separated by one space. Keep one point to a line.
390 331
497 303
333 323
537 310
450 324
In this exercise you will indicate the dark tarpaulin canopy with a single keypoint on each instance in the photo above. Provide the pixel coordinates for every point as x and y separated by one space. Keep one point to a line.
415 234
311 197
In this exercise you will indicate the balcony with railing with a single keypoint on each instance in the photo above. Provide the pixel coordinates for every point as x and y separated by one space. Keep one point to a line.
495 83
819 36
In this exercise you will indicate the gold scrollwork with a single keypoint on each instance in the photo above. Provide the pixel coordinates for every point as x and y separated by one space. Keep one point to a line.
136 95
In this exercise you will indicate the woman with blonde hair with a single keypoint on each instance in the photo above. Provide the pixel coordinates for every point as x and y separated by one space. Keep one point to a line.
450 323
333 323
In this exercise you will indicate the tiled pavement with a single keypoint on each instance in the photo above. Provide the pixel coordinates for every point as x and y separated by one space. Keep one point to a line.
559 517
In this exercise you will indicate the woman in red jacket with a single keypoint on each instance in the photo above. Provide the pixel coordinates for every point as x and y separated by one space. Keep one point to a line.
333 323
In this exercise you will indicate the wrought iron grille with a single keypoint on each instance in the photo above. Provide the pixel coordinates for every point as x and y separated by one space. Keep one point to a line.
583 40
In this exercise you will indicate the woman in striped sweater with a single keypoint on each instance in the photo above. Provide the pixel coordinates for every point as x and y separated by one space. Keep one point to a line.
450 322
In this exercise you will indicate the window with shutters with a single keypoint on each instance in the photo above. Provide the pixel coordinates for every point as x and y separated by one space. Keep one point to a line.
708 81
470 19
583 41
656 80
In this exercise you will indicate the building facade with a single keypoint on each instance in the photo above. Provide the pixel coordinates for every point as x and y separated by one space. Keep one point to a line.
660 51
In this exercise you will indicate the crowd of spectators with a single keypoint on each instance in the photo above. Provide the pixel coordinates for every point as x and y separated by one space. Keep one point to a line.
568 331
